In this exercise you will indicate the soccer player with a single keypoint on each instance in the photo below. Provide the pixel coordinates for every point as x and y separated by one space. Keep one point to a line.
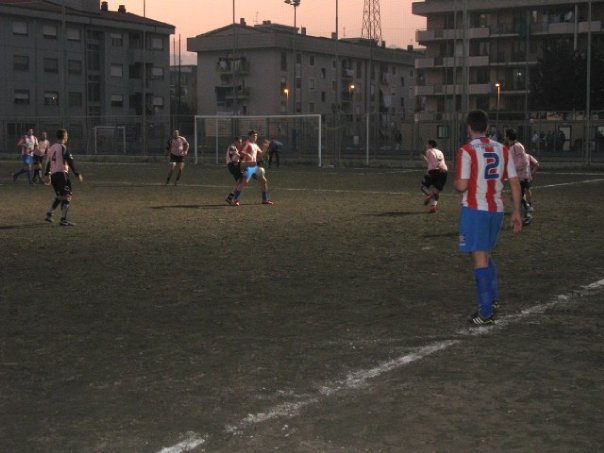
40 156
528 196
523 169
233 164
250 169
28 143
177 149
273 151
482 166
58 163
436 178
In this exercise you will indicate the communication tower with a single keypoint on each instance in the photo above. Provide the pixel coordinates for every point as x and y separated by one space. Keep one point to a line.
372 21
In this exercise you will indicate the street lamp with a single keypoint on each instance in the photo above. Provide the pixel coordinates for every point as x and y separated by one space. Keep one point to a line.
498 86
295 4
286 94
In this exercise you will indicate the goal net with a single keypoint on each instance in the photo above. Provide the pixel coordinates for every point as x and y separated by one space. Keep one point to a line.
300 135
109 139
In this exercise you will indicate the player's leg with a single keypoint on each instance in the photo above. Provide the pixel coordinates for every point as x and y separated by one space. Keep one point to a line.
171 166
181 166
263 182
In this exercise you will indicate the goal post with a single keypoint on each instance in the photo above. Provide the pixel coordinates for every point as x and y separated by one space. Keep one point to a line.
109 138
300 134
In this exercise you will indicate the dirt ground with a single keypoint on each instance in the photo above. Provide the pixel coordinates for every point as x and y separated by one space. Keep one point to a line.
332 321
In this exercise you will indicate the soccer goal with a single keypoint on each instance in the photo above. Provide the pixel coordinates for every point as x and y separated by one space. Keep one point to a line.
109 139
300 134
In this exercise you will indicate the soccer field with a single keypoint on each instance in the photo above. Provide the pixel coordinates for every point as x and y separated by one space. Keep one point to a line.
333 321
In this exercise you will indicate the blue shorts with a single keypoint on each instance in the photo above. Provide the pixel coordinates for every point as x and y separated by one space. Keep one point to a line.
249 173
478 230
27 159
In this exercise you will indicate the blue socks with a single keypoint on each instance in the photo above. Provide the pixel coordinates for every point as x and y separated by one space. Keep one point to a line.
483 291
494 286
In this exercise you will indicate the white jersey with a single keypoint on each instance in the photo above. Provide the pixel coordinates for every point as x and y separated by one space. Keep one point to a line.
57 159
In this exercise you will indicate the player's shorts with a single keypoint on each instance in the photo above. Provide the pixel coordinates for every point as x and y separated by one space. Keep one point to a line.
435 178
39 159
235 170
61 183
27 159
249 173
478 230
525 185
176 159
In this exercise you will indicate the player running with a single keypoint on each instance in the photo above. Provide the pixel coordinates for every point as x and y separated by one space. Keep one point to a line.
59 162
436 178
177 149
40 156
28 144
250 169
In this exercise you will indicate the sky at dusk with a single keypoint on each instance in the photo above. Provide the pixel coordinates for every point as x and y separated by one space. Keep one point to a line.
194 17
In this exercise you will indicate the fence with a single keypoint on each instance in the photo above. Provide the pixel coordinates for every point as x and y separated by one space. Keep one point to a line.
363 139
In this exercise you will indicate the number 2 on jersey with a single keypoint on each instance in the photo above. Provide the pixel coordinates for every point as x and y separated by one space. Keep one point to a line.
490 170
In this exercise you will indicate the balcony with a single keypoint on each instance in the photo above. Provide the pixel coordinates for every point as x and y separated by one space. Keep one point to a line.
241 93
445 34
228 67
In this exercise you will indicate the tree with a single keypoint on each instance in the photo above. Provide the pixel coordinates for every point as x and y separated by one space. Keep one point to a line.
559 80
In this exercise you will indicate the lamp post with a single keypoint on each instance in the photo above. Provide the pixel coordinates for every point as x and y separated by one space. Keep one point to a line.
295 4
498 86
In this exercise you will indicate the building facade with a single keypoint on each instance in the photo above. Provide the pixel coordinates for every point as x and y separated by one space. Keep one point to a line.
272 69
482 54
76 64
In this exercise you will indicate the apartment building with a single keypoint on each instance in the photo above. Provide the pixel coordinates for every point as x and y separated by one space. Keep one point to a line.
270 69
75 63
481 54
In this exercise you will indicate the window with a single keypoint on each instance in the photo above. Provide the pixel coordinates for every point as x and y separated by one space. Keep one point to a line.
298 58
74 99
157 73
157 43
117 70
50 65
311 84
19 28
323 96
20 63
51 98
135 40
311 107
74 34
311 60
117 100
158 102
21 97
117 39
323 73
359 71
74 67
49 31
402 81
284 61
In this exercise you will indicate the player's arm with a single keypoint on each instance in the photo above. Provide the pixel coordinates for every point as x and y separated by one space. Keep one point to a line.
185 146
67 157
461 182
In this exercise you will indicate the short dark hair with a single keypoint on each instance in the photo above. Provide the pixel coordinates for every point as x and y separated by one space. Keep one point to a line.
252 132
511 134
432 143
477 120
61 133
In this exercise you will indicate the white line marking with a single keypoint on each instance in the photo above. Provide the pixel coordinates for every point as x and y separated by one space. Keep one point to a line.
358 379
587 181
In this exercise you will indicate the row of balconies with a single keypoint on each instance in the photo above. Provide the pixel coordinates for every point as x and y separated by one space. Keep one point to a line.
423 36
473 89
500 59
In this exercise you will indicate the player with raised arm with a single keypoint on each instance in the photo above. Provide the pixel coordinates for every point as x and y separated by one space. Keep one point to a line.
483 165
177 149
58 164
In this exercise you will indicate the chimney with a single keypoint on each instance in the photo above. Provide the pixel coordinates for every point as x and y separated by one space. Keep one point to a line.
121 9
104 6
242 21
333 35
303 31
383 43
410 47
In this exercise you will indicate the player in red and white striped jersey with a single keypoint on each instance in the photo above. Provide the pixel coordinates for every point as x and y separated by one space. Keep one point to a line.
58 164
482 167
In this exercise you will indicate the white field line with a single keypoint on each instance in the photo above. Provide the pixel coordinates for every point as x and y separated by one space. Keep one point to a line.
359 379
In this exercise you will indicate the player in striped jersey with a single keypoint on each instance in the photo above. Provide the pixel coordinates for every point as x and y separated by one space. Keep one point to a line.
482 166
28 144
58 163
